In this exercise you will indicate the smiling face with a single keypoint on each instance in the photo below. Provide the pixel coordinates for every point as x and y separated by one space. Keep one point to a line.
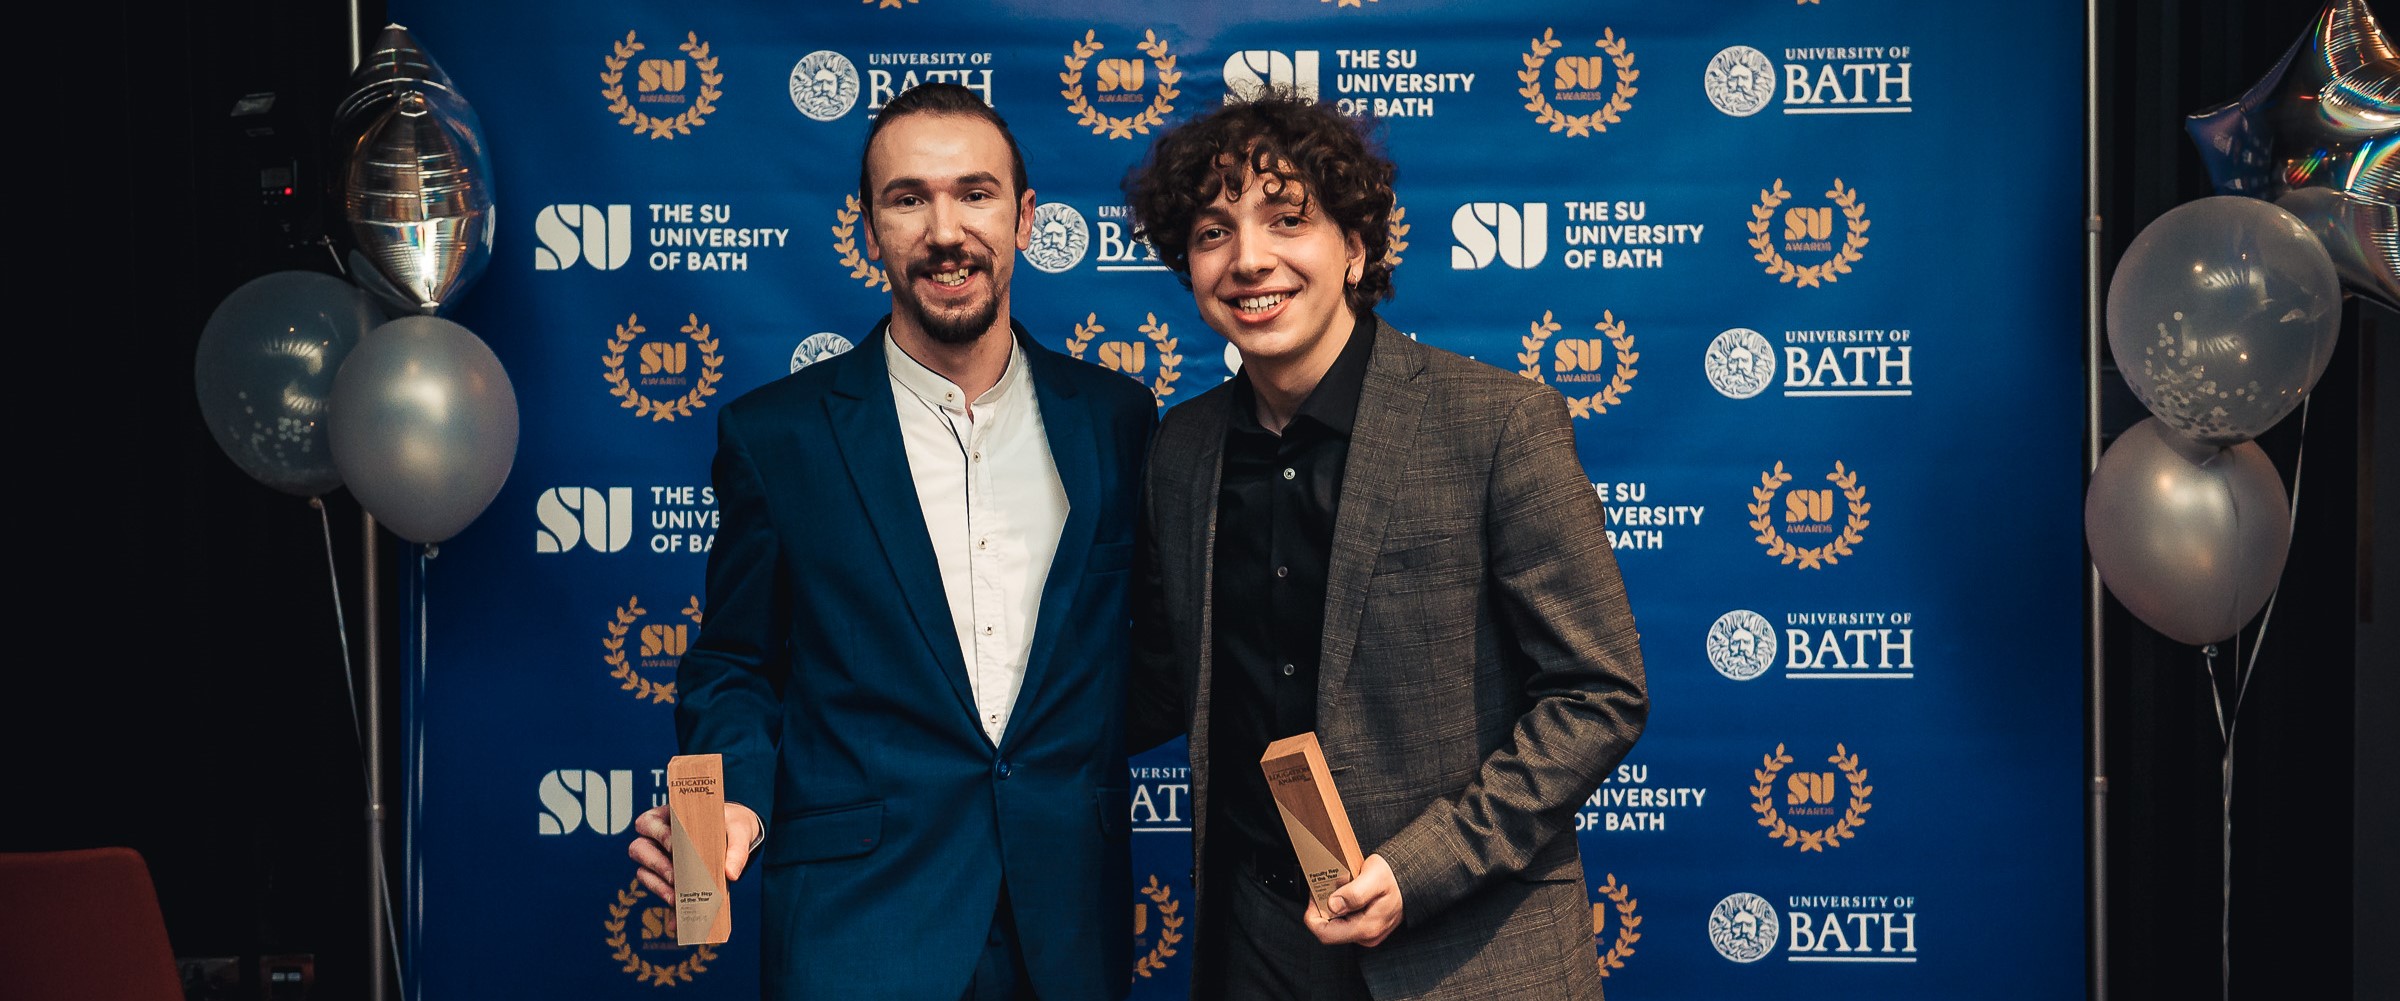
1269 272
946 224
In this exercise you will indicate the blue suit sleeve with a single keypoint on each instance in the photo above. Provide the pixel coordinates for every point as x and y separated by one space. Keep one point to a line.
729 685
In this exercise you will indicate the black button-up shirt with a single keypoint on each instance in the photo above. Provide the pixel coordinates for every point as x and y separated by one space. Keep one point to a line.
1275 515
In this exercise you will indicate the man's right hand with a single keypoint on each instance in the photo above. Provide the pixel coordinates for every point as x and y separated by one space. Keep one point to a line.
649 848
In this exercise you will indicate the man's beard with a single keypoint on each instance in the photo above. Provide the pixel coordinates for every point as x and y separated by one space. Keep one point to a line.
959 328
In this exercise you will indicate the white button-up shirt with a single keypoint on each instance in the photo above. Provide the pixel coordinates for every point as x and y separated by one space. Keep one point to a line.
994 507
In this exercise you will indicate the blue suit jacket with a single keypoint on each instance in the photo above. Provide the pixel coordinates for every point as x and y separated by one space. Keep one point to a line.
829 676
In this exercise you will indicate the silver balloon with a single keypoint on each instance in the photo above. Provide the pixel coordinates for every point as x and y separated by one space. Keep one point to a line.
2326 119
2190 538
424 426
394 64
265 369
419 204
2362 236
2222 314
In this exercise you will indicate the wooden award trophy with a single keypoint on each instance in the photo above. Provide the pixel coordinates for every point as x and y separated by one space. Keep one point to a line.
1312 815
696 835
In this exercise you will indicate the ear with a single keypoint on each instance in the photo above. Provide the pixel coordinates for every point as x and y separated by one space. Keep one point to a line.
1357 258
1025 220
866 217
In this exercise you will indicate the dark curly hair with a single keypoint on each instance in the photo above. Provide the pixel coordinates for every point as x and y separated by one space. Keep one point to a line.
1282 139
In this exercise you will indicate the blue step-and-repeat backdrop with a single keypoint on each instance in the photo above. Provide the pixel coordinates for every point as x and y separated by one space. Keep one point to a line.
1809 274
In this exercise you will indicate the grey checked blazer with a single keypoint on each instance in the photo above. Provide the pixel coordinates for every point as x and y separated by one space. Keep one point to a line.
1480 673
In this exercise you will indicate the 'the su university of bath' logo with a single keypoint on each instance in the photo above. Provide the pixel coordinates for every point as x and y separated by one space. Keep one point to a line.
1120 82
661 85
1579 80
1575 361
1810 819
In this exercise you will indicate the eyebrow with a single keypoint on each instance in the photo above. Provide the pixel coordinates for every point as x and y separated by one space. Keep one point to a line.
980 177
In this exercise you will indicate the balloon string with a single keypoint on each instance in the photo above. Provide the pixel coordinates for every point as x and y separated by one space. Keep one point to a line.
2225 787
341 627
327 243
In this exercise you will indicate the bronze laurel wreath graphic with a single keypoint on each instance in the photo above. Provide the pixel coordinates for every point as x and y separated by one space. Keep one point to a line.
886 4
1169 933
1627 924
1619 102
1120 128
1761 220
656 976
845 243
1399 232
1161 387
621 667
1811 557
662 128
1619 383
1811 841
662 410
1343 3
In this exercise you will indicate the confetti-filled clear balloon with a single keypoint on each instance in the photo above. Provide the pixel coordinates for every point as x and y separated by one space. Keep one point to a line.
2325 119
264 374
424 426
2221 315
2191 538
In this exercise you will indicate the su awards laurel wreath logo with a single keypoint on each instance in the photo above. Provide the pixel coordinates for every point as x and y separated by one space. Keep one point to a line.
1579 360
1170 928
1629 924
658 646
656 933
661 81
1808 228
845 246
1810 511
663 364
1579 78
1131 357
1398 228
1811 794
1120 80
886 4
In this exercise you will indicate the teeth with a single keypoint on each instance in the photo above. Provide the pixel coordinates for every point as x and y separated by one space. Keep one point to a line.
1259 302
951 277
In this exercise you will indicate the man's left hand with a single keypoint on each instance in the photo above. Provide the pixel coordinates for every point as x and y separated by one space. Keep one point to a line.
1366 909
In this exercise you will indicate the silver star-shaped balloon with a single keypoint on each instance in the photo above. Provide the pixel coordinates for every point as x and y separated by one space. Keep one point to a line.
2319 135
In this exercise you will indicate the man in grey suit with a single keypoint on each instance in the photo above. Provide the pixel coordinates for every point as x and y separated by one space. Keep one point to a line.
1387 544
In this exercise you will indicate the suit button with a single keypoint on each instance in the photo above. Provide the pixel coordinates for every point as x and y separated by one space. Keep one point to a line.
1288 669
1002 769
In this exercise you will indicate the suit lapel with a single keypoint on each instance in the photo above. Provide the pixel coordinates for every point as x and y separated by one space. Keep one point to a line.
867 431
1389 406
1075 447
1202 474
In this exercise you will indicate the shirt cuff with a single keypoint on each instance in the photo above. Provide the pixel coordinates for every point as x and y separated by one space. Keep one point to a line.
761 837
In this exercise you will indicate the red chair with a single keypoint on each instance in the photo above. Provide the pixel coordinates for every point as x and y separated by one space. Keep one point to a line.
83 925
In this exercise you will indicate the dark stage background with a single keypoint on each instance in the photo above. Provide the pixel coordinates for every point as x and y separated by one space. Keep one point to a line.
197 670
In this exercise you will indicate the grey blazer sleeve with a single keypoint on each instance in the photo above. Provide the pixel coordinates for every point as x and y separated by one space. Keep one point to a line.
1555 587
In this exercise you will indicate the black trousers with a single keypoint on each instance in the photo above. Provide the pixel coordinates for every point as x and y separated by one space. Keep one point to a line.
1000 971
1254 947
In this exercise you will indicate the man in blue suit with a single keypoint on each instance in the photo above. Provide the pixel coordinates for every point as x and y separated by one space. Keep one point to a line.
913 660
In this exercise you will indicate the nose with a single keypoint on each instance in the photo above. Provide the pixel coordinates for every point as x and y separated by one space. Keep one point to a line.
945 227
1252 257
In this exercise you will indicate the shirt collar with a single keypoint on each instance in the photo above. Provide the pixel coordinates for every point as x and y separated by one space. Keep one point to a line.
937 390
1334 403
